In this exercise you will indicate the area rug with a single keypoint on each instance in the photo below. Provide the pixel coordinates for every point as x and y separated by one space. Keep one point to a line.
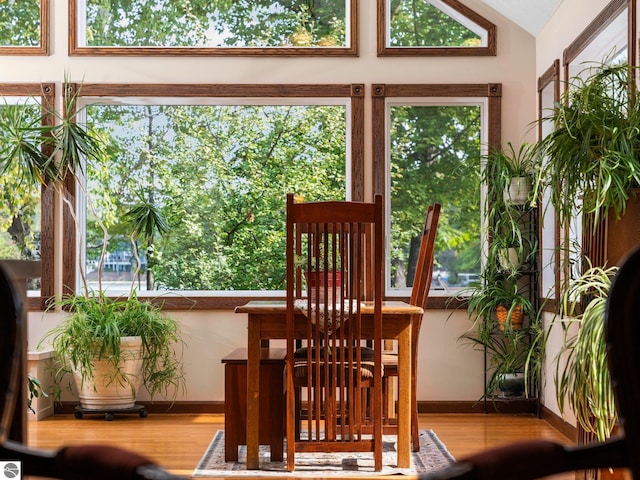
432 456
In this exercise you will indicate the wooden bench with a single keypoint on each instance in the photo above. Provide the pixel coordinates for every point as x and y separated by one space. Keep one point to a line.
272 364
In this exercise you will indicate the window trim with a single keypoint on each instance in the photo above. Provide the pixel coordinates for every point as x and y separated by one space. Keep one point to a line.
43 48
46 93
380 92
549 79
489 50
349 51
207 300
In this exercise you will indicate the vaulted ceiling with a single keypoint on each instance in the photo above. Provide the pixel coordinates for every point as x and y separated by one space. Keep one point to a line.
531 15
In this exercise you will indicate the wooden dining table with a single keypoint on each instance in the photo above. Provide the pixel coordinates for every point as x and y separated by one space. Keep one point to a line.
267 321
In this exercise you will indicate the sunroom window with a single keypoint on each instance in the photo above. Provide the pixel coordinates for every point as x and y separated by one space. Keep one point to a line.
218 170
24 27
223 26
434 156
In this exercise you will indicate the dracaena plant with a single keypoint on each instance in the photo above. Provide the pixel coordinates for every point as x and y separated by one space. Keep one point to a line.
45 152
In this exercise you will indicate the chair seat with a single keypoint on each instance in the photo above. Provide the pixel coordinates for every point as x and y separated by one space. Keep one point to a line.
300 362
390 359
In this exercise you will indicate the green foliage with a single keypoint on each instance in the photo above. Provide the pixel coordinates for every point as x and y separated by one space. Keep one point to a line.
219 23
417 23
93 329
504 280
582 377
218 175
593 154
35 391
435 156
20 23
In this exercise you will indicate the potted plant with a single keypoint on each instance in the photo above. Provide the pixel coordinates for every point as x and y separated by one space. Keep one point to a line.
509 172
498 304
582 377
50 153
101 336
592 157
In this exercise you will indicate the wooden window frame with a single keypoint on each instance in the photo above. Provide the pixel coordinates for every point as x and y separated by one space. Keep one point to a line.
489 50
348 51
43 48
222 302
380 92
549 79
46 93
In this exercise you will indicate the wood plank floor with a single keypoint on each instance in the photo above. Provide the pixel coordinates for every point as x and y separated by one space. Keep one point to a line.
177 441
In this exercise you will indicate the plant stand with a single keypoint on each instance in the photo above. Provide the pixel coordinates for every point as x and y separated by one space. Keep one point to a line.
109 414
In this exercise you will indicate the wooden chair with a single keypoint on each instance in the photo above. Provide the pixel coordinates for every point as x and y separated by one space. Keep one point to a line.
341 376
95 462
419 296
540 458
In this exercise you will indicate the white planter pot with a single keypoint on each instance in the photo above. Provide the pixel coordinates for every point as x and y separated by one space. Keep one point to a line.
509 259
107 391
519 190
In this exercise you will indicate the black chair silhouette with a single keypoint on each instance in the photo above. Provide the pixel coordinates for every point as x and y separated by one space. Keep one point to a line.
540 458
95 462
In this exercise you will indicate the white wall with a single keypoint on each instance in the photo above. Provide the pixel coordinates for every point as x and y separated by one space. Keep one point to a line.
447 370
566 24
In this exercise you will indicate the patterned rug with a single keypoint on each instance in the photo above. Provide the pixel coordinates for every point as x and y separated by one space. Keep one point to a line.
433 455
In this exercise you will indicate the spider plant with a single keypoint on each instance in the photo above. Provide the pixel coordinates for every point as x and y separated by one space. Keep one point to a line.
93 329
582 377
593 154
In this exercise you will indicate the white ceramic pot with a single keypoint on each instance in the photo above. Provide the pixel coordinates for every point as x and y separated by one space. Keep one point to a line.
108 391
519 190
509 259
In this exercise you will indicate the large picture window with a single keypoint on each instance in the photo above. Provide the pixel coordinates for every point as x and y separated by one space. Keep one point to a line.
218 169
222 27
24 27
434 139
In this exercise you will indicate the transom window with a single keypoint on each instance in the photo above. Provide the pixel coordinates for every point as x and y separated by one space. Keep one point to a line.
24 27
432 27
210 28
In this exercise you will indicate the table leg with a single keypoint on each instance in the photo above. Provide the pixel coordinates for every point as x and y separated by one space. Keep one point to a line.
404 397
253 395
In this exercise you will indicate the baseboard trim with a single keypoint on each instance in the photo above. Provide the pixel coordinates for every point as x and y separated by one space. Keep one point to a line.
436 407
557 422
512 406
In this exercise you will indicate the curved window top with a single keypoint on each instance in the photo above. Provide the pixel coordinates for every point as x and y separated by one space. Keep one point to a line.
432 27
24 27
225 27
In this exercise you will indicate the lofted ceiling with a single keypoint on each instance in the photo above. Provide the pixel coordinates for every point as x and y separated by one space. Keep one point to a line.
531 15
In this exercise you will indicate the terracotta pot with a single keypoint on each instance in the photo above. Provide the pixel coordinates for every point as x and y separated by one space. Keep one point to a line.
517 317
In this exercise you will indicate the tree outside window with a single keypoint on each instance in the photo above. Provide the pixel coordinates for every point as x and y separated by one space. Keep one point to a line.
435 157
219 174
204 26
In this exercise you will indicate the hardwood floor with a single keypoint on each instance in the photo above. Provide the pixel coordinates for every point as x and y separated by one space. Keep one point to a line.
178 441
